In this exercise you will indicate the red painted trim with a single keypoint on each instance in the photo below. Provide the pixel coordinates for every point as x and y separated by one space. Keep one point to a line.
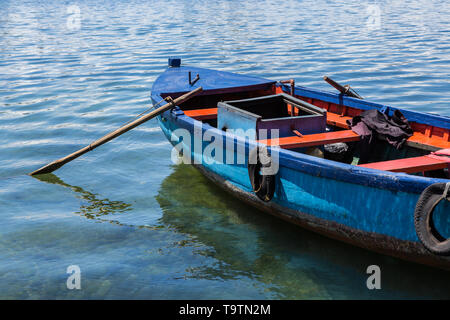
408 165
313 139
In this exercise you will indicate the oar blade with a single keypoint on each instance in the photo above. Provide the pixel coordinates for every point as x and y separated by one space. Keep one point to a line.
47 168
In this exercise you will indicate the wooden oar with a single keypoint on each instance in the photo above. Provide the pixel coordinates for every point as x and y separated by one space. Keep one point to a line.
347 90
60 162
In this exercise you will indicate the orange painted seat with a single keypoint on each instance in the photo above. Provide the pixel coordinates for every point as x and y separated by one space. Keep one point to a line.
408 165
334 119
432 142
313 139
202 114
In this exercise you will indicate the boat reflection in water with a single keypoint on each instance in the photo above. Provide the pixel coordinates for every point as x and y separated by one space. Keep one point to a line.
290 261
228 243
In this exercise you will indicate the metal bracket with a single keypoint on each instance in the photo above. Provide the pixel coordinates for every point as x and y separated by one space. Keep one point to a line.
344 90
292 83
192 82
169 100
351 92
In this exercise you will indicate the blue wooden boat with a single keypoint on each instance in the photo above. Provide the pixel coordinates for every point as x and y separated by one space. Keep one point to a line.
395 204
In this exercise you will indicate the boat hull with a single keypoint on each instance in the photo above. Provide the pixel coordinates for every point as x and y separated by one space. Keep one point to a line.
370 217
368 208
406 250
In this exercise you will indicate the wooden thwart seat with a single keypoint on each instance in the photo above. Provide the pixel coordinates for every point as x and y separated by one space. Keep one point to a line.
202 114
334 119
419 140
408 165
313 139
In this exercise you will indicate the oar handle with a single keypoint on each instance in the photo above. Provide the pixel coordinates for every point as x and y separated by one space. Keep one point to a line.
336 85
114 134
347 90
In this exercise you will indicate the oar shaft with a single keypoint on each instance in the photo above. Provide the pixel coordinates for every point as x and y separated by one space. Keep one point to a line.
338 87
60 162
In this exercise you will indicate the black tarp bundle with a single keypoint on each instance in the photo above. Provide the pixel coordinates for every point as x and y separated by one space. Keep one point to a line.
372 124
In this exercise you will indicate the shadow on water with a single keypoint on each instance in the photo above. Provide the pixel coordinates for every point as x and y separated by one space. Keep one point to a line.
289 261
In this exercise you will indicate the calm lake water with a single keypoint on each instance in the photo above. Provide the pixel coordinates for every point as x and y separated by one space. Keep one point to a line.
141 227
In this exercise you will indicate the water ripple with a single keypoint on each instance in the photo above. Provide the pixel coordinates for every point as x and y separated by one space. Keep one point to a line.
61 87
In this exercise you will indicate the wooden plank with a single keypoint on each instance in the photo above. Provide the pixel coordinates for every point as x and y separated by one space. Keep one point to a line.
408 165
334 119
202 114
432 143
313 139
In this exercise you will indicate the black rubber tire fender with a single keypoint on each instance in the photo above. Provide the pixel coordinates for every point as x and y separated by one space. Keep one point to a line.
263 185
423 218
